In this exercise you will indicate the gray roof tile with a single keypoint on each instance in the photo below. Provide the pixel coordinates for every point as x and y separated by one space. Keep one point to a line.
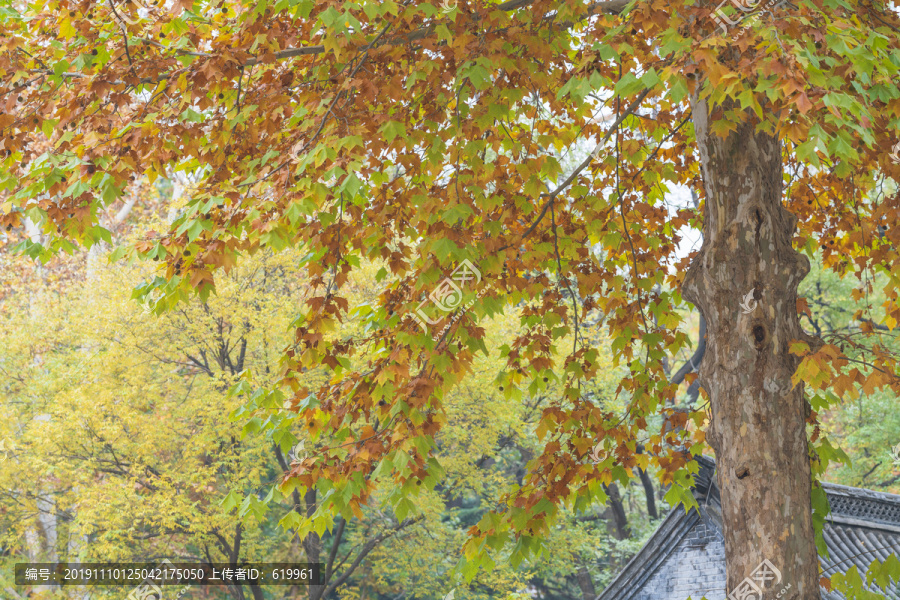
863 525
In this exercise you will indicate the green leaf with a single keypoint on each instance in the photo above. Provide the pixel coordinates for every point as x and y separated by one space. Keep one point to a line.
194 230
444 249
230 501
291 521
48 127
883 573
252 426
392 130
404 508
628 85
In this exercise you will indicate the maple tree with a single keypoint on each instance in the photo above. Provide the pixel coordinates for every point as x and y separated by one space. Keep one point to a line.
423 135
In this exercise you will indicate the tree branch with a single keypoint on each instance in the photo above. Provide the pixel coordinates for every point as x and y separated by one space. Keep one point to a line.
613 7
335 542
369 546
693 363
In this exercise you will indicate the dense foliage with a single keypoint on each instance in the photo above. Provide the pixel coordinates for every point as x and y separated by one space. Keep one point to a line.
408 138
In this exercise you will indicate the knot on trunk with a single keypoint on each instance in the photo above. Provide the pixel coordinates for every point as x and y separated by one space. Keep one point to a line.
759 336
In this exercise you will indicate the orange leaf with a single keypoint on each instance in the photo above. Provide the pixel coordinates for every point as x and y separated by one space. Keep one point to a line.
803 103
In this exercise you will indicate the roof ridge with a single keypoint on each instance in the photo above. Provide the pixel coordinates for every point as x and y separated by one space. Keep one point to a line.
847 490
708 465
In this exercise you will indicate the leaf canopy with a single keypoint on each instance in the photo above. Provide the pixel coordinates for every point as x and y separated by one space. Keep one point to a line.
420 137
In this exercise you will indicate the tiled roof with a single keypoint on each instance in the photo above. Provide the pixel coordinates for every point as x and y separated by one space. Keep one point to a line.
850 545
863 525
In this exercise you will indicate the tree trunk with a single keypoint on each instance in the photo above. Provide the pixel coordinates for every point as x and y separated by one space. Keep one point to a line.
585 583
312 544
648 493
758 422
619 521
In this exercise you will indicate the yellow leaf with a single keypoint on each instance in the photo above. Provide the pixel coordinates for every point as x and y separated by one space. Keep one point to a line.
66 30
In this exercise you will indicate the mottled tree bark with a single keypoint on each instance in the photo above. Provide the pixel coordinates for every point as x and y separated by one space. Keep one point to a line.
758 422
